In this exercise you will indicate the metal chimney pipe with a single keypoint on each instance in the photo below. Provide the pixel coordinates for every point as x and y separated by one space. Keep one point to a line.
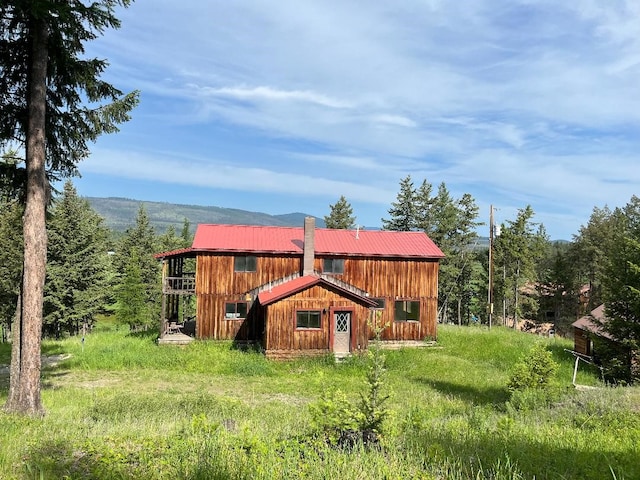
308 249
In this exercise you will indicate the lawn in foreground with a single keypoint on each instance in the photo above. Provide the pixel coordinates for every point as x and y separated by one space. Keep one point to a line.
123 407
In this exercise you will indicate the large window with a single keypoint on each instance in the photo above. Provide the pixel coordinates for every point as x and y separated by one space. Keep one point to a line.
235 311
407 311
308 319
244 264
333 265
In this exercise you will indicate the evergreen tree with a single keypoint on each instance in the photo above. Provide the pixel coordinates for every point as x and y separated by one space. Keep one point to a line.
131 294
341 215
77 267
403 211
185 234
139 241
48 94
518 249
621 284
10 262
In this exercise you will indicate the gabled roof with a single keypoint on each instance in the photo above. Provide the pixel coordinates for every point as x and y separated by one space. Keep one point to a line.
298 284
289 240
587 323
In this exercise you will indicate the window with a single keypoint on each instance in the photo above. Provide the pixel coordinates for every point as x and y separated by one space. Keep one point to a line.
308 319
333 265
244 264
407 310
381 303
235 311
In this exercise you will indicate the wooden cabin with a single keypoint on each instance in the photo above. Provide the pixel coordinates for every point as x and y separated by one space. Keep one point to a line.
305 290
585 328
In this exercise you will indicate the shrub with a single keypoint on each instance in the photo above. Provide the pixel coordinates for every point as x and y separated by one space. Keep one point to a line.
535 370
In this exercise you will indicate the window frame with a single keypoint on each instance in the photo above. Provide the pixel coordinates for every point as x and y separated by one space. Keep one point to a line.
406 301
239 317
332 262
308 311
381 303
240 263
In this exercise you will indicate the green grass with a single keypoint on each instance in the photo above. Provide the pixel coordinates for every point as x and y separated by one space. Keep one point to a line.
123 407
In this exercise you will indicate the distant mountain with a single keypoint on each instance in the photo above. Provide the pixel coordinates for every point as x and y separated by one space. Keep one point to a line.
120 214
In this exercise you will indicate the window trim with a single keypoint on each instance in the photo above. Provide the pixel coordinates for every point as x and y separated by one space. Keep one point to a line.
404 309
226 314
308 311
243 268
331 270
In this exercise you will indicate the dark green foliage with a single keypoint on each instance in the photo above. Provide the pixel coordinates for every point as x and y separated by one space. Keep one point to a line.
137 268
621 283
518 250
10 261
74 87
77 266
341 215
403 210
131 308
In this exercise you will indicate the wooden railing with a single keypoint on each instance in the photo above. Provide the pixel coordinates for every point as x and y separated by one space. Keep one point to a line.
185 284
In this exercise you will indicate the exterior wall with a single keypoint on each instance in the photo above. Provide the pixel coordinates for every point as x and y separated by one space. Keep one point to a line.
581 342
283 339
217 284
393 280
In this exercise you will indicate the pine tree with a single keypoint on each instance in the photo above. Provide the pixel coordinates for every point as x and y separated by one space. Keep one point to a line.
139 241
46 80
77 265
621 284
403 211
131 295
518 249
341 215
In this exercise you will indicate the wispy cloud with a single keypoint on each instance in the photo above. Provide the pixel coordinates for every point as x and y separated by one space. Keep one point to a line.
515 102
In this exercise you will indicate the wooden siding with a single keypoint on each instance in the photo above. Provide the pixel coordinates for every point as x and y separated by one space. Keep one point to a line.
282 336
581 342
391 279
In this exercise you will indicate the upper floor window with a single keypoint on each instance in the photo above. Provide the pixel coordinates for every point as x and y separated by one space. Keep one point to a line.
333 265
235 310
308 319
407 311
245 263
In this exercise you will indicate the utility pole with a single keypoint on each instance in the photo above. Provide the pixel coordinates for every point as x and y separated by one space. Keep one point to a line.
490 289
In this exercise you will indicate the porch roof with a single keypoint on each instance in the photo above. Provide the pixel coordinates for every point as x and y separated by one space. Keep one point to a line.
298 284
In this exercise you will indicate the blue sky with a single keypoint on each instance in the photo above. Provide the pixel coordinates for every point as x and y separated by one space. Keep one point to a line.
283 106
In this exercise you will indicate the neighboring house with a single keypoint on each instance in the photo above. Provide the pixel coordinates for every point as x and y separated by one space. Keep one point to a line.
585 328
305 291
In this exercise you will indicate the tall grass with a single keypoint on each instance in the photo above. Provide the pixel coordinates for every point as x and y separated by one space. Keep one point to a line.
124 407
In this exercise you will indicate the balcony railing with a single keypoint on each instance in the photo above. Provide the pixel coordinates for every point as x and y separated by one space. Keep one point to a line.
184 285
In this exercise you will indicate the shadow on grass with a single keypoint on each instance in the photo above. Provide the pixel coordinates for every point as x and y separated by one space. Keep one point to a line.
471 394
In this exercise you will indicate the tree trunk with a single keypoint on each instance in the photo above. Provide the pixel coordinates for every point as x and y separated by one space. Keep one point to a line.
24 396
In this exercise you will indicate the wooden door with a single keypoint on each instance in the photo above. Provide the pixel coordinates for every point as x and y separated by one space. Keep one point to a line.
341 332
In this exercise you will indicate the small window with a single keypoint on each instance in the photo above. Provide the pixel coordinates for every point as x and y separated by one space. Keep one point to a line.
244 264
308 319
407 311
381 303
235 311
333 265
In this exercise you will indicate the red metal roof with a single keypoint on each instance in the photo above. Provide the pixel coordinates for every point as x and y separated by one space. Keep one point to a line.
174 253
289 240
298 284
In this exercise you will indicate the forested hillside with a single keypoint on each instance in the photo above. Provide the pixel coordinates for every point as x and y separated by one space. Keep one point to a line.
120 213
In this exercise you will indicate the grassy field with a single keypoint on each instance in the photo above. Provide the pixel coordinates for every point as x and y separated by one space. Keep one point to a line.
121 407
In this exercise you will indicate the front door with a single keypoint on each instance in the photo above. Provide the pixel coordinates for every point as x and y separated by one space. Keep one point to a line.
341 332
